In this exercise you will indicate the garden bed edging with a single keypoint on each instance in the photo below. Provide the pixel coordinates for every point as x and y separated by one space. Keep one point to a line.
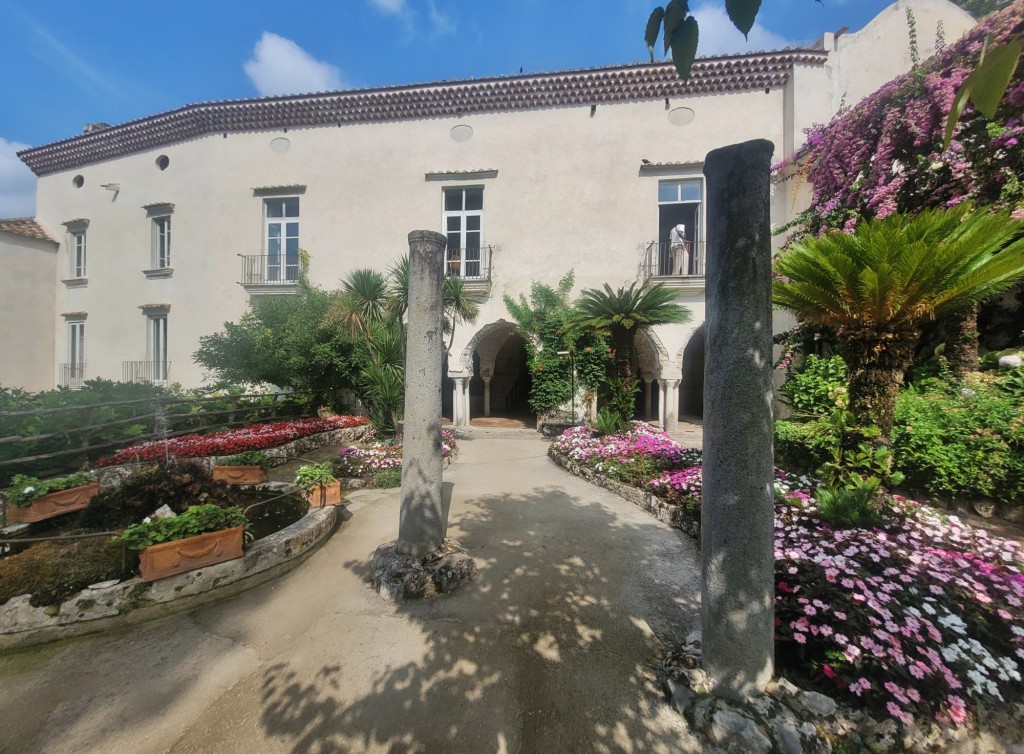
115 604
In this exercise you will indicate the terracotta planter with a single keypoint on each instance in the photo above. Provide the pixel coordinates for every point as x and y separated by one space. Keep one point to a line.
331 495
53 504
240 474
171 558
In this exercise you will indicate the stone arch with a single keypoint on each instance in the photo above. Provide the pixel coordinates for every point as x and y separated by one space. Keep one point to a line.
491 373
691 387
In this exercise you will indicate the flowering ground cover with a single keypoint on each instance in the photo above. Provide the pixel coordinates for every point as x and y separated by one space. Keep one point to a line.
920 617
230 442
358 462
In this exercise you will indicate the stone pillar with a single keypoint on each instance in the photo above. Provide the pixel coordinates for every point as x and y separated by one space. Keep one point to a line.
463 389
671 406
737 544
487 396
422 524
661 403
455 402
647 398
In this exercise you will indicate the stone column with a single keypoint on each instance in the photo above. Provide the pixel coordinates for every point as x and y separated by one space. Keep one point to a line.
671 406
647 398
737 512
422 523
661 402
463 383
487 396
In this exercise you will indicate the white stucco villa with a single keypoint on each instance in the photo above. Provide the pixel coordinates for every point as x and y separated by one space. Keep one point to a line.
152 233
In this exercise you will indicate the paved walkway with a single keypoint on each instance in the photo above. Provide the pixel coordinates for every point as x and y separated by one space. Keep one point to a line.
550 650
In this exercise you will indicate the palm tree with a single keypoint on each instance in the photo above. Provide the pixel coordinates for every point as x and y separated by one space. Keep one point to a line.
623 313
362 311
880 283
459 307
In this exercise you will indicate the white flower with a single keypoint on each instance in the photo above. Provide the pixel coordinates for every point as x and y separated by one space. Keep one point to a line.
28 490
146 520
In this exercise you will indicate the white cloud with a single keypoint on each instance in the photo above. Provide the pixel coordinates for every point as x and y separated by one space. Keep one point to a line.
17 183
441 22
718 36
389 6
279 66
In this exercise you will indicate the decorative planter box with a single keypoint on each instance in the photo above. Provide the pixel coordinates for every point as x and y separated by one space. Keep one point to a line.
53 504
240 474
171 558
331 495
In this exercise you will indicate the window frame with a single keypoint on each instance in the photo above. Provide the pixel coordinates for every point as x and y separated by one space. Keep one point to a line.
463 261
156 344
695 235
79 255
76 343
286 268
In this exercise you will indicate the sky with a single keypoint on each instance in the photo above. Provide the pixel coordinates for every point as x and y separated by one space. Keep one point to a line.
72 62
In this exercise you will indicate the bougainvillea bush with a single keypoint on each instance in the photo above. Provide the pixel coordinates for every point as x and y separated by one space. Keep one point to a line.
920 617
885 154
231 442
368 461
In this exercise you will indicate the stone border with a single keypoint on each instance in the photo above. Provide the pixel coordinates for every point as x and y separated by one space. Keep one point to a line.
116 604
673 515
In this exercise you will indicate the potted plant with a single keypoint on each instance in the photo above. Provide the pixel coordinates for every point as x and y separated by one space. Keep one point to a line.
199 537
31 499
249 467
319 484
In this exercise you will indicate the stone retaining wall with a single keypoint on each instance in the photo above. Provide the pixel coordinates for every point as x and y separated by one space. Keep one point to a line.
673 515
115 604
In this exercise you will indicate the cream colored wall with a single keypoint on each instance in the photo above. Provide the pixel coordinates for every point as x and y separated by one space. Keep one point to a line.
569 194
881 50
27 304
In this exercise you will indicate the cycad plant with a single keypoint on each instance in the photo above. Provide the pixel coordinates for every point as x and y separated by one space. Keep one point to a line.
623 313
878 285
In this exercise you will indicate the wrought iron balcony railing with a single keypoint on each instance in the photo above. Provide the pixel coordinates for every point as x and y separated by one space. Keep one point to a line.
72 376
276 269
662 259
469 264
154 372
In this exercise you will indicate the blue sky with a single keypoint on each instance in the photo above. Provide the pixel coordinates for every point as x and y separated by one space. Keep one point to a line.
72 62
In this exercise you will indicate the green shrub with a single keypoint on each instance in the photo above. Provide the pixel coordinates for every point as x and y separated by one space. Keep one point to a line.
609 422
852 506
818 387
800 447
53 571
314 475
247 458
388 478
198 519
25 489
961 443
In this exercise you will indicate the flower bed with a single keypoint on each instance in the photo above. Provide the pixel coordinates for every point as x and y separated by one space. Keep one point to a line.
922 617
229 442
366 462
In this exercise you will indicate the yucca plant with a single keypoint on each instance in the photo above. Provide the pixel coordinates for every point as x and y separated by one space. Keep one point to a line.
879 284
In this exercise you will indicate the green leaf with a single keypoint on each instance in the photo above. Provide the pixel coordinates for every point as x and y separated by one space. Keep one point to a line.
653 27
992 77
957 109
684 46
675 12
742 13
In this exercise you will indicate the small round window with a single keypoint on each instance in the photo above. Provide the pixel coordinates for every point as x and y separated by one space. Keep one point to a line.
78 181
163 161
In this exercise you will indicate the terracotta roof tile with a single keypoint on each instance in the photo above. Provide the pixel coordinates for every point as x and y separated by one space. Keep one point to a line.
25 226
445 99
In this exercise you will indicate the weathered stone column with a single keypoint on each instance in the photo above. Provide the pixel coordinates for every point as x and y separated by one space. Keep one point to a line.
737 512
462 399
487 393
421 523
672 406
455 402
662 401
